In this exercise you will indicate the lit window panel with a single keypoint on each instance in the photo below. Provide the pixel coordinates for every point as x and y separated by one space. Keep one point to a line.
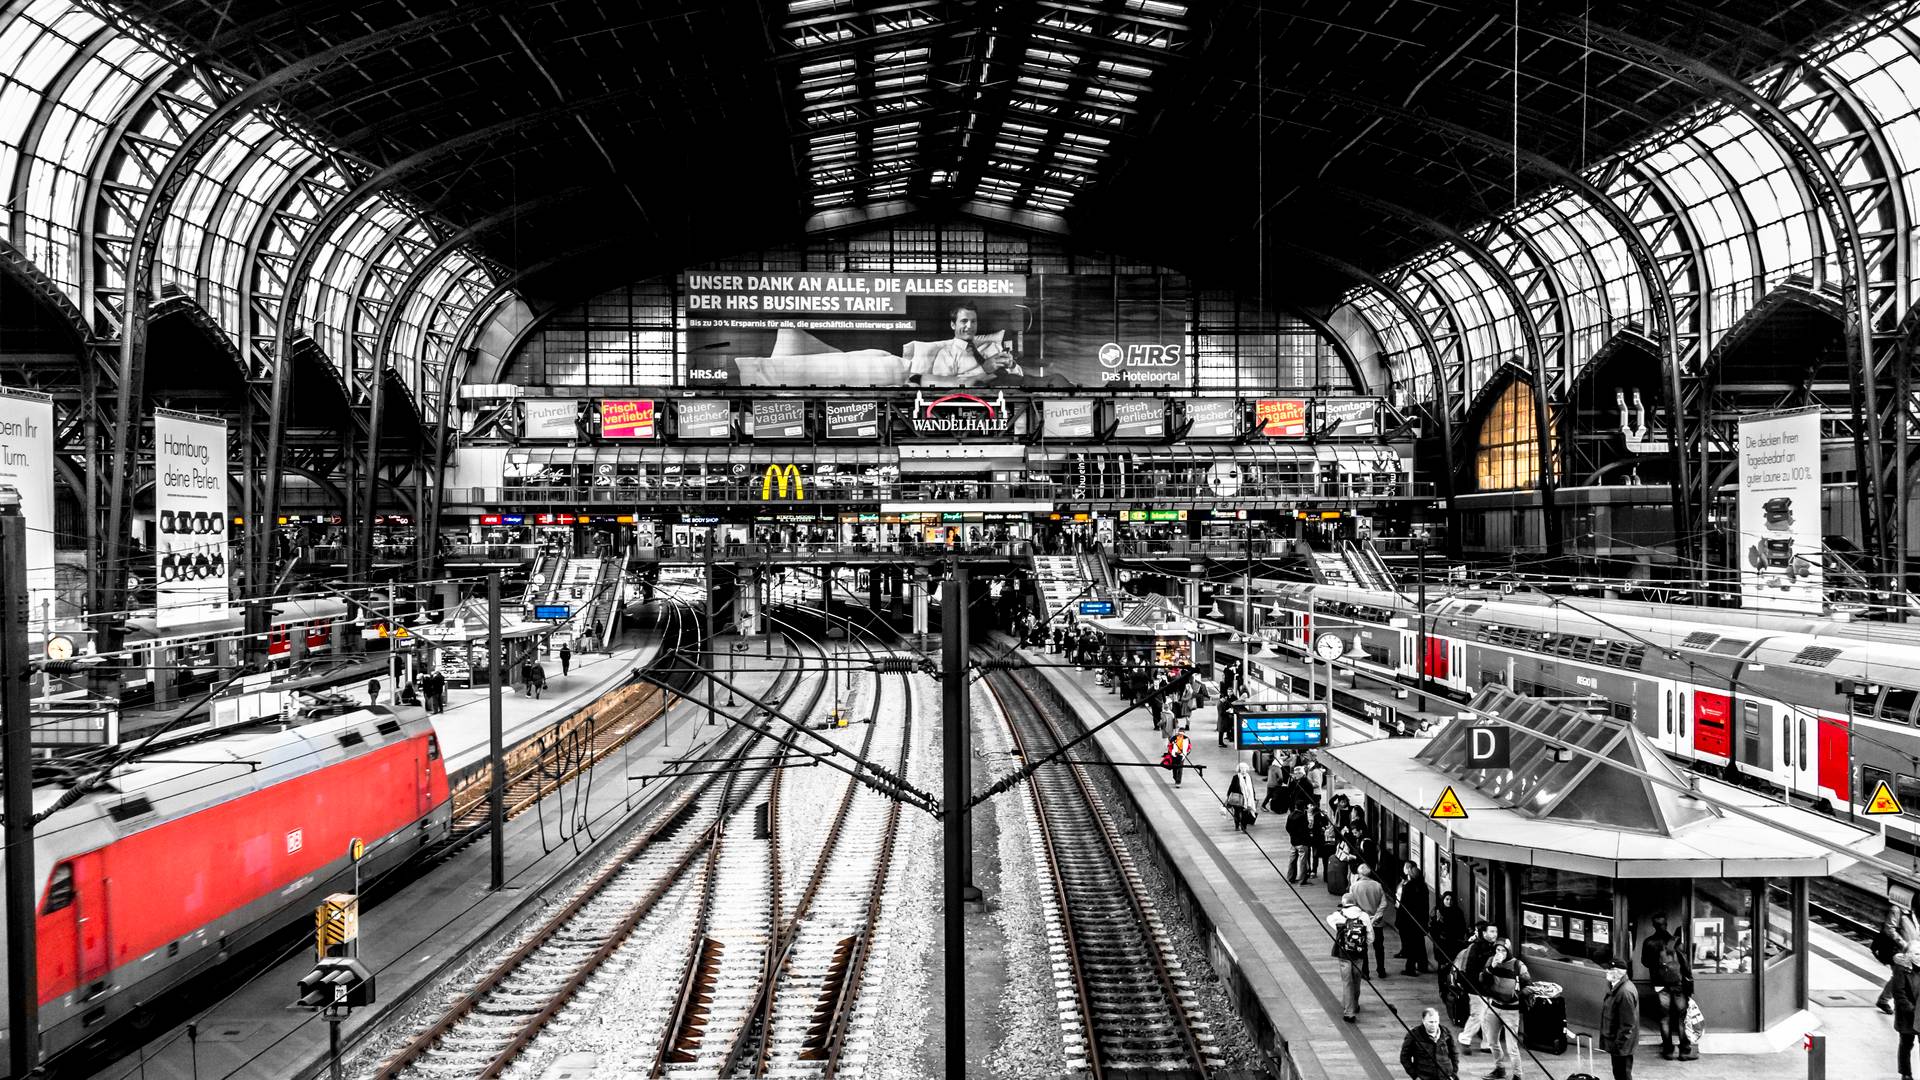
1507 450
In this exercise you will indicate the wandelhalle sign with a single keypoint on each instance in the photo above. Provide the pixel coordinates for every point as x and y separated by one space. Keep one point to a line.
960 414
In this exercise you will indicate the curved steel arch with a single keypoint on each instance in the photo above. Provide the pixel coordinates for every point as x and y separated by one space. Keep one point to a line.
1529 332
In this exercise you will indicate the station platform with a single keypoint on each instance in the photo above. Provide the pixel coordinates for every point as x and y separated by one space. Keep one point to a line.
1269 943
412 937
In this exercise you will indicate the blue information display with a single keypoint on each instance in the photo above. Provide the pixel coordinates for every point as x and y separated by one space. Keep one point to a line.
552 611
1256 726
1096 607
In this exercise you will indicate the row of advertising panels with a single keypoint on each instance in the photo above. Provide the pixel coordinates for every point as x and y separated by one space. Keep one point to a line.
956 413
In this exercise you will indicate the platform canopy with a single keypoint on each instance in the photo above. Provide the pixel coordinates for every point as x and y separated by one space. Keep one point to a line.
1547 781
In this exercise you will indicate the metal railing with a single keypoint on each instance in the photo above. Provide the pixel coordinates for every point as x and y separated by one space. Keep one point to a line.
731 492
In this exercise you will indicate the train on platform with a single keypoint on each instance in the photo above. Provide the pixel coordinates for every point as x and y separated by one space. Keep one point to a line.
191 852
1819 709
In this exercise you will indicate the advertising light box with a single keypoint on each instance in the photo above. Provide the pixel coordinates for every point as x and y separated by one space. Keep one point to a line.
779 418
1279 725
1347 417
551 418
853 419
703 418
1212 418
1139 418
627 419
1067 418
1280 418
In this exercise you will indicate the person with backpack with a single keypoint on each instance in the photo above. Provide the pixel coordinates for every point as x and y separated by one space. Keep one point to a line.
1664 958
1472 966
1352 934
1506 976
1897 935
1906 995
1178 748
1372 898
1428 1052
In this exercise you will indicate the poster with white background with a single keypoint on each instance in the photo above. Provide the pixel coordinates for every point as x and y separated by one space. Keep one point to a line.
190 501
26 465
1780 543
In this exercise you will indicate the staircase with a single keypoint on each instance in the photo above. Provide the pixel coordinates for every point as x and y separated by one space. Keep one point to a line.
1329 568
1061 580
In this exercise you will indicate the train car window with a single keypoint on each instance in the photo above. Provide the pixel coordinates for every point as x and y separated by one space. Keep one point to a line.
1669 712
1683 714
433 748
1786 738
1907 790
1896 705
1621 710
1865 700
59 889
1803 742
1730 647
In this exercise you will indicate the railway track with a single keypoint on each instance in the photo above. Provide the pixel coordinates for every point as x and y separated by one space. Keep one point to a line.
486 1029
1131 1006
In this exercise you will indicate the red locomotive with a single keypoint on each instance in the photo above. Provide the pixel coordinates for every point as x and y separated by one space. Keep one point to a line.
176 863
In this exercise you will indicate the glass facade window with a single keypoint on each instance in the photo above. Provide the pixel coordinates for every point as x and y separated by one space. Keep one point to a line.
1566 917
1507 457
1780 944
1720 929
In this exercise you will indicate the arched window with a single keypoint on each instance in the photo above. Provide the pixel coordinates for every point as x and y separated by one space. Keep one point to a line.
1507 458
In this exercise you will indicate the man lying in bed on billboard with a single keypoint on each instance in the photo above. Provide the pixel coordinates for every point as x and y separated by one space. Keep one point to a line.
968 358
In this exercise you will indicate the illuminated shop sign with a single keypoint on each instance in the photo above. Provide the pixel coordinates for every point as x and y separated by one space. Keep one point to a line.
961 414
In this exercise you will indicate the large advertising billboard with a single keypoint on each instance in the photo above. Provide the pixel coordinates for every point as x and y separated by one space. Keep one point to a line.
703 418
552 418
1280 418
853 419
935 330
26 465
1212 418
1067 418
1139 418
779 418
190 501
626 419
1780 537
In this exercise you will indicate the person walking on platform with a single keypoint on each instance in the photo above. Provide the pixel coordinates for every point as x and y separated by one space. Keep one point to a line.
1276 771
1240 797
566 660
1352 929
1620 1020
1178 748
1506 977
1316 832
1449 929
1472 966
1412 914
373 692
1664 959
1372 898
1428 1052
1906 996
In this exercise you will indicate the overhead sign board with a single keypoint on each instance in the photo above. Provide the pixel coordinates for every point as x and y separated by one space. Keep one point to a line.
561 612
1780 552
779 418
1347 417
961 413
1067 418
703 418
853 419
1284 725
626 419
1096 607
1139 418
551 418
190 500
1212 418
1280 418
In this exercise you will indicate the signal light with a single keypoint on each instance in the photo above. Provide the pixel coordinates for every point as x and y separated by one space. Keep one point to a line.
337 981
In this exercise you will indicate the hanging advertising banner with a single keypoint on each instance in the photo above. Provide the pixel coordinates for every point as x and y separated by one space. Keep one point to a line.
1139 418
552 418
26 465
1780 538
626 419
1212 418
190 503
853 419
1346 417
1280 418
703 418
935 330
779 418
1067 418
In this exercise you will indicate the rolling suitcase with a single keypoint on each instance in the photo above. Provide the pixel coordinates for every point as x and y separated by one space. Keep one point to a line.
1543 1018
1583 1042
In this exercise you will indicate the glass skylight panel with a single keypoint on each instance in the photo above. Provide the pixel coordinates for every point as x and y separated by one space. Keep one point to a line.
827 69
1158 8
1054 86
895 83
1104 93
1124 70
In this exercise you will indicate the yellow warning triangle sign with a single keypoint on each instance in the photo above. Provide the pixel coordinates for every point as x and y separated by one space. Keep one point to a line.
1448 808
1883 801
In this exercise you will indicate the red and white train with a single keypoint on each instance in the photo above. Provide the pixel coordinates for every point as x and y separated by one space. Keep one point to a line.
177 863
1805 704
